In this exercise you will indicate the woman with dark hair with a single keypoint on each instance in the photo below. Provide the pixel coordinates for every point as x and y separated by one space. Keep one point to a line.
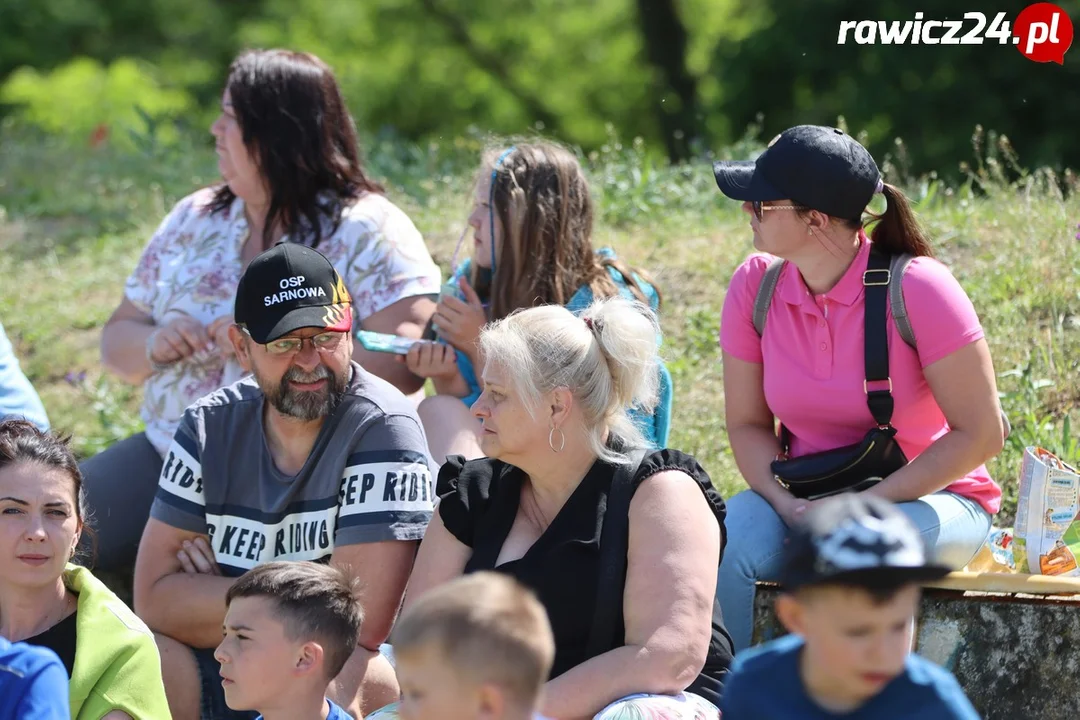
287 152
47 600
878 372
532 222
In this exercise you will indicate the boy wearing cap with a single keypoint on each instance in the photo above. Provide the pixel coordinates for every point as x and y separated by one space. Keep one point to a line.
851 573
310 458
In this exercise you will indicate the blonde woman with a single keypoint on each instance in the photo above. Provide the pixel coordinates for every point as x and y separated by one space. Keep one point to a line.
564 464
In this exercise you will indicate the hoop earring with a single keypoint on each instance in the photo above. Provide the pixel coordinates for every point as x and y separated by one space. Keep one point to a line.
551 441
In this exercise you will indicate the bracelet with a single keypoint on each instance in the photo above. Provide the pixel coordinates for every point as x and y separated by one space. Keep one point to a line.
155 366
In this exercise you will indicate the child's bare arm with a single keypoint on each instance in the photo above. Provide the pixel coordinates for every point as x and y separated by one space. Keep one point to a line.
451 385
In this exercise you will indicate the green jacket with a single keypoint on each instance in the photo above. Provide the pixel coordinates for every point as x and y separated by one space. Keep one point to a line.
117 666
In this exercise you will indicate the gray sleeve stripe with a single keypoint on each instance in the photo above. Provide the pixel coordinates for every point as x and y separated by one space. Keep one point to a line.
187 442
362 534
386 456
388 517
162 510
184 506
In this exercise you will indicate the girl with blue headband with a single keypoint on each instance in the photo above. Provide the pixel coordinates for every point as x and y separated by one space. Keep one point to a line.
532 221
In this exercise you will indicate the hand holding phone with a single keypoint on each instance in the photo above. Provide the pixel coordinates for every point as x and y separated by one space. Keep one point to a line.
459 320
432 360
385 343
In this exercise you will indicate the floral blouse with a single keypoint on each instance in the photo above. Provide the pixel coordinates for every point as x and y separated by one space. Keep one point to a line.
192 266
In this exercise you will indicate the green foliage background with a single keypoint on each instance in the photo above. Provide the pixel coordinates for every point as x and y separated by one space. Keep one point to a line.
428 70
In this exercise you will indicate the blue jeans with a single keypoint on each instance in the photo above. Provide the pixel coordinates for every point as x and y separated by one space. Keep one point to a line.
953 528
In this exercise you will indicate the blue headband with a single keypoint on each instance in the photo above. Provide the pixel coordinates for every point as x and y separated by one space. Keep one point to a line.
491 202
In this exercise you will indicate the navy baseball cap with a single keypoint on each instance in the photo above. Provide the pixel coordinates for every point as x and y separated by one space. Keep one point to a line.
859 540
288 287
820 167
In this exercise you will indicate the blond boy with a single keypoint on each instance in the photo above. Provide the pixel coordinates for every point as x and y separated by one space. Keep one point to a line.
477 648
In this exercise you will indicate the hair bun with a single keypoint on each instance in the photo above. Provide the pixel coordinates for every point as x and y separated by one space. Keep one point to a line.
628 334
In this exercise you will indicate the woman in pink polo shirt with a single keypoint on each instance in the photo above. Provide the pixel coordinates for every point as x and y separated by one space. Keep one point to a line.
806 196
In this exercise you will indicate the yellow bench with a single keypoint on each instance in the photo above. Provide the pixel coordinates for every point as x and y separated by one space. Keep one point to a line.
1010 583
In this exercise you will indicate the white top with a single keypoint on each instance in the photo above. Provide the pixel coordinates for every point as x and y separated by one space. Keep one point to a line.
192 266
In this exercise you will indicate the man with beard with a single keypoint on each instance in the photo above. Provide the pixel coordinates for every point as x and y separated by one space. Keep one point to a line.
310 458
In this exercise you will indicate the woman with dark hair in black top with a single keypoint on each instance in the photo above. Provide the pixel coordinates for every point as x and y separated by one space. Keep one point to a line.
545 506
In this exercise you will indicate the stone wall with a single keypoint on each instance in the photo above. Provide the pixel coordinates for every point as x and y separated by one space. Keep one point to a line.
1017 657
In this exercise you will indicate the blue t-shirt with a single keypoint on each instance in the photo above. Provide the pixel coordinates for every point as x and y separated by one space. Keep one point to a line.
33 683
336 713
764 684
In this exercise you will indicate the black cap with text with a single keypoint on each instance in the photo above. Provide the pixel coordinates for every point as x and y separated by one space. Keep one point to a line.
288 287
820 167
855 539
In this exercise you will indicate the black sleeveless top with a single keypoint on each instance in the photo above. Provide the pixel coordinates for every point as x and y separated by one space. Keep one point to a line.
479 502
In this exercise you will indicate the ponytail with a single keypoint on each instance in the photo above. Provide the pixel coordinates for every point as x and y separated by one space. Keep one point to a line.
626 334
607 357
896 231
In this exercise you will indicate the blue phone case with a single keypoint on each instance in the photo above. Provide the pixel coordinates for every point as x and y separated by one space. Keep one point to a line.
382 342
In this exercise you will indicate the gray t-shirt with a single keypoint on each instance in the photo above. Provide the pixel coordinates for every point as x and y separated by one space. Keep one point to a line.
368 478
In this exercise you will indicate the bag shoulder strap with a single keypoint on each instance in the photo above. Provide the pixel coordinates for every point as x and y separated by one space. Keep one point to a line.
614 543
897 268
877 279
764 296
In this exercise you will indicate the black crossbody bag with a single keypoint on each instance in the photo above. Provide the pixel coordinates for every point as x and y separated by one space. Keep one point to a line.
857 467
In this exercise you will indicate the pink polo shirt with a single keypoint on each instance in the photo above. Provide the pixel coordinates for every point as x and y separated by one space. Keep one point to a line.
812 351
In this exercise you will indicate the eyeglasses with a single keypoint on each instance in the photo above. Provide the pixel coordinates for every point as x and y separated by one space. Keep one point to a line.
323 342
759 208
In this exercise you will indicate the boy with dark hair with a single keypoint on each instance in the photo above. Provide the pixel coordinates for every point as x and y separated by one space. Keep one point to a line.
289 629
851 588
479 647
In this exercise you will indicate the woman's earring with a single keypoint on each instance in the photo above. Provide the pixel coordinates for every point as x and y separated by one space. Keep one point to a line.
551 440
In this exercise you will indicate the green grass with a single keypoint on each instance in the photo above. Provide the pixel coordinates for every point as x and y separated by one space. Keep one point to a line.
74 220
